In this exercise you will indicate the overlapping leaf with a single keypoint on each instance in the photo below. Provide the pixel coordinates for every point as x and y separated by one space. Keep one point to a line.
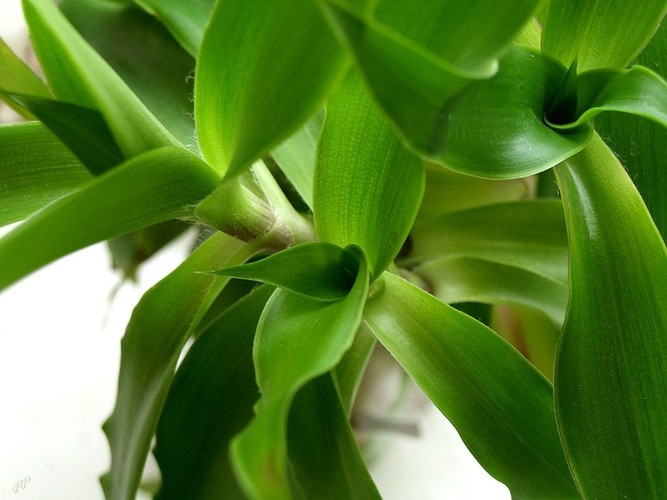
35 169
292 327
499 403
367 185
606 34
610 384
252 92
16 76
160 325
156 186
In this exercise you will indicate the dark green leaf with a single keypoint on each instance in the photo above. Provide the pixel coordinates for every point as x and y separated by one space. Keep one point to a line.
156 186
292 327
35 169
610 383
322 448
252 92
317 270
210 400
367 185
499 403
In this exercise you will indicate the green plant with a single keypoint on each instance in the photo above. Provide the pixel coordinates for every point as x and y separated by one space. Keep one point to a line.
455 155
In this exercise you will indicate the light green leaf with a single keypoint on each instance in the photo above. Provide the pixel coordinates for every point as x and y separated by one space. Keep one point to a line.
185 20
464 279
367 185
156 186
35 169
606 34
82 130
160 325
501 406
317 270
529 234
239 117
610 383
323 451
217 376
641 145
78 75
350 371
638 91
292 327
146 57
16 76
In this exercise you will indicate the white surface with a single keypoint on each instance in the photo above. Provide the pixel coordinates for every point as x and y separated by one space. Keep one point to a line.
59 357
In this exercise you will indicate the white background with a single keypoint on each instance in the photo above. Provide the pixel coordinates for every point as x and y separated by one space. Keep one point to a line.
59 357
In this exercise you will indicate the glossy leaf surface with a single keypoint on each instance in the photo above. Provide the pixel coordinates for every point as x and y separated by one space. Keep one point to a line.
77 74
509 423
292 327
35 169
217 377
317 270
606 34
367 185
611 383
239 117
153 187
160 325
16 76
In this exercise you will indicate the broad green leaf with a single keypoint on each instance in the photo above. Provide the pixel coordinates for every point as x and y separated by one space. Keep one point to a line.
317 270
500 404
638 91
145 55
217 376
598 34
16 76
156 186
350 371
641 145
296 158
82 130
158 329
185 20
35 169
464 279
78 75
367 185
323 451
292 327
252 92
610 381
528 234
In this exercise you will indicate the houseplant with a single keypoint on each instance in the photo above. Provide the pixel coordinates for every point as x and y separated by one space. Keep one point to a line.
353 157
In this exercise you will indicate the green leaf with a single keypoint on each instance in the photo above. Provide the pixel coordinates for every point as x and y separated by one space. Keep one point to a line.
158 329
317 270
239 116
156 186
296 158
464 279
638 91
528 234
606 34
610 385
641 145
78 75
185 20
501 406
35 169
217 376
367 185
82 130
292 327
145 55
16 76
323 451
